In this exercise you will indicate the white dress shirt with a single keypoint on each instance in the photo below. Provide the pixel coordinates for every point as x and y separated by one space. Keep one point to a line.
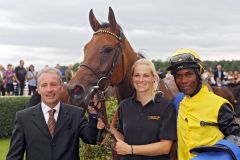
45 110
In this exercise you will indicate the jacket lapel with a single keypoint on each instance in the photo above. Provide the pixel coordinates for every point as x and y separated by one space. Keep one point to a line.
39 121
63 117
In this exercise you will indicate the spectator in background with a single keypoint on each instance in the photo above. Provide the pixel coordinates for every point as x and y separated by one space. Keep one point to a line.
160 73
230 75
9 80
69 73
218 82
61 71
20 77
32 80
2 80
58 67
219 73
235 76
208 76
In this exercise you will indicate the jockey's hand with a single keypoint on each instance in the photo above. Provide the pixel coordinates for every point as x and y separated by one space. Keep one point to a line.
122 148
100 124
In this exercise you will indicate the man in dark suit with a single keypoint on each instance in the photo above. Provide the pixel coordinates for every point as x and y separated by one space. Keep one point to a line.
50 130
219 73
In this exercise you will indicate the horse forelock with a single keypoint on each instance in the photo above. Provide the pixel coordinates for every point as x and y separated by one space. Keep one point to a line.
104 25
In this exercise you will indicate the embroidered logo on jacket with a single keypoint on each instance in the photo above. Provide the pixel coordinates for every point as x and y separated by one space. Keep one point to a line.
153 117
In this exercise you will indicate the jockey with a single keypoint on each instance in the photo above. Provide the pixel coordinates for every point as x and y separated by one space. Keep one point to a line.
203 117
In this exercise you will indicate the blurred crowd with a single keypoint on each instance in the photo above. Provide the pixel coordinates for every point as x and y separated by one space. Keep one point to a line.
21 80
219 77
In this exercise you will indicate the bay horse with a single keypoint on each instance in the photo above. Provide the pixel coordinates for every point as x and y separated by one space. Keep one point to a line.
108 54
231 92
226 93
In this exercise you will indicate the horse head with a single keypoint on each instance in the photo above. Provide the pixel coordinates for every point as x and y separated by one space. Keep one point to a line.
106 60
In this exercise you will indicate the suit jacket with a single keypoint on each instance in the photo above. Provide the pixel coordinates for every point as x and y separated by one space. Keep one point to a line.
216 75
31 134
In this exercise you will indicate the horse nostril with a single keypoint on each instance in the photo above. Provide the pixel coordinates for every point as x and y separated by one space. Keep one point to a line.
78 90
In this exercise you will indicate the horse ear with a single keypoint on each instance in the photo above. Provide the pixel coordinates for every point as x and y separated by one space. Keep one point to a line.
111 18
93 21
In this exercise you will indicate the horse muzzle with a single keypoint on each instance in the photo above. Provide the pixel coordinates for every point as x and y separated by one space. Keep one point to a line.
76 93
79 95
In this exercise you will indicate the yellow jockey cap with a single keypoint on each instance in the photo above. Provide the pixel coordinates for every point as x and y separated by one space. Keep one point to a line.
184 58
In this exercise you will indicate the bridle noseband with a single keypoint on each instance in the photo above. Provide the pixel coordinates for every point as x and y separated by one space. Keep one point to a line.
115 58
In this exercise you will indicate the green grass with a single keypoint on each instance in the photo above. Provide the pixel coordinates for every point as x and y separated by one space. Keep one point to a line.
4 146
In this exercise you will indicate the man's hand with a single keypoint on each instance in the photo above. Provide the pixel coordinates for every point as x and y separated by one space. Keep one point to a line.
91 109
100 124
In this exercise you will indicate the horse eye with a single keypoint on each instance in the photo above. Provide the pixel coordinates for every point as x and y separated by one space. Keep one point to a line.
107 50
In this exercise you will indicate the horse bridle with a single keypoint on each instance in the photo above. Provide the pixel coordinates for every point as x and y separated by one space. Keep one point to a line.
97 89
108 74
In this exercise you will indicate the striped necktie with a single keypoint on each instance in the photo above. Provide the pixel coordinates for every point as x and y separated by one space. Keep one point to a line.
51 121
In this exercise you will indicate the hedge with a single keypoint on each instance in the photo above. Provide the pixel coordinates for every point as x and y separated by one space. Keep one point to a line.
8 108
10 105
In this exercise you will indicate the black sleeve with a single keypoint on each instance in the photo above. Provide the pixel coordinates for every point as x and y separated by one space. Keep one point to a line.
16 70
17 144
120 124
168 128
34 100
226 121
88 129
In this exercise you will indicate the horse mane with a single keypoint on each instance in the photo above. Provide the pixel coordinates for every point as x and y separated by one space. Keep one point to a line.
140 55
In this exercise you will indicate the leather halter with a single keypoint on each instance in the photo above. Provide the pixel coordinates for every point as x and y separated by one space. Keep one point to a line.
115 58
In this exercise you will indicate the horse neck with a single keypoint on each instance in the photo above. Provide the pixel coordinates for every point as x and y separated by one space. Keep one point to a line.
124 89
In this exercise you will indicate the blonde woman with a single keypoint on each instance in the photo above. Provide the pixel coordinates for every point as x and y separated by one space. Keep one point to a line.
147 123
